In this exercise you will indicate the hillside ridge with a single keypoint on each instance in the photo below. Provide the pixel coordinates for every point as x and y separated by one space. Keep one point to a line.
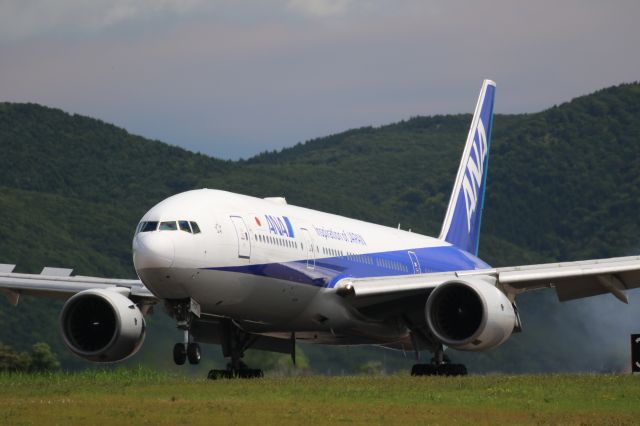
563 184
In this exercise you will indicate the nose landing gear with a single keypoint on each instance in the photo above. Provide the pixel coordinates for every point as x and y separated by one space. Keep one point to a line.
189 351
184 312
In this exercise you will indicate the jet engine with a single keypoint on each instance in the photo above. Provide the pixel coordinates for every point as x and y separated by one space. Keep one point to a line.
102 325
470 315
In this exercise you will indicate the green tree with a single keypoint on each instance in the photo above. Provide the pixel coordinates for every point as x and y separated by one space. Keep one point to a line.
42 359
13 361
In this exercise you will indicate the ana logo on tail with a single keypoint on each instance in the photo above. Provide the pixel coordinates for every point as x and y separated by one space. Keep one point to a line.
474 173
461 226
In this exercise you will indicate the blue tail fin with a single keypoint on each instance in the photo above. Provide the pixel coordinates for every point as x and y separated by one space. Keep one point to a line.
461 225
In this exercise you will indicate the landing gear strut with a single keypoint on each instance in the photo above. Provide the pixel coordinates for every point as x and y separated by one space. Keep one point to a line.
234 343
184 311
439 366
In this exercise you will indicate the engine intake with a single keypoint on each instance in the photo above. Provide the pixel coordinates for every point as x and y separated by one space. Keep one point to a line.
102 325
470 315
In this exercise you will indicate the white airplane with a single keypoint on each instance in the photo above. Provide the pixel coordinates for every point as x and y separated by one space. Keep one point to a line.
244 272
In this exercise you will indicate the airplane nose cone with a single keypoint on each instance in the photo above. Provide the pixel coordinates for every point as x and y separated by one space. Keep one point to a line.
152 250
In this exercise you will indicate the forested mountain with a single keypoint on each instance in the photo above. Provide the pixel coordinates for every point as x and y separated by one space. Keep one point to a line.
563 184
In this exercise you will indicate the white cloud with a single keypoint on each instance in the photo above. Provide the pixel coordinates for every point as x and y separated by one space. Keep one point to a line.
196 72
33 19
21 19
321 8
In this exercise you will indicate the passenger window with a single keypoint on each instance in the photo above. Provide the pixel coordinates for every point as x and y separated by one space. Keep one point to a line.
195 227
149 226
168 226
184 226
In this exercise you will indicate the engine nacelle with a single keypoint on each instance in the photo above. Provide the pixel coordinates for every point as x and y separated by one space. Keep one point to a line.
102 325
470 315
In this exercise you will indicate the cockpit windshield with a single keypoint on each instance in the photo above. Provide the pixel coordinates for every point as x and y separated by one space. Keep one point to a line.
195 227
184 226
169 225
148 226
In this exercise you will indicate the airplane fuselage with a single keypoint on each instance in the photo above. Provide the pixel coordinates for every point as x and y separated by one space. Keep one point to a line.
271 266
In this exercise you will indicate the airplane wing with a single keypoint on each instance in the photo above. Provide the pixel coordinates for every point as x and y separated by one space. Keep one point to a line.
59 283
571 280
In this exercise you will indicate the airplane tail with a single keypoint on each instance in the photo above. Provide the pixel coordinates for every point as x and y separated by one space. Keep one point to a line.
461 225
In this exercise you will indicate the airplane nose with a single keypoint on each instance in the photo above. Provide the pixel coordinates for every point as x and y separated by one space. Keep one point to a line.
153 250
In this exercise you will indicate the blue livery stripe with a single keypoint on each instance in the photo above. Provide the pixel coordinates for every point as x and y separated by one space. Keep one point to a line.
329 270
289 227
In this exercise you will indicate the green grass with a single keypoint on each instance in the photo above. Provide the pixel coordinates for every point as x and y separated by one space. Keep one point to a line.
147 397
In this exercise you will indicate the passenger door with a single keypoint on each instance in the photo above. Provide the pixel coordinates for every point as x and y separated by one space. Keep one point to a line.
309 248
244 241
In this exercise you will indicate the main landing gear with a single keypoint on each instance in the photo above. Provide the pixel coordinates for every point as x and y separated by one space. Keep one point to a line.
439 366
241 372
234 343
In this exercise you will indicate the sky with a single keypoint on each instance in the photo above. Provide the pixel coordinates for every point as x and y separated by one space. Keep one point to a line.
232 78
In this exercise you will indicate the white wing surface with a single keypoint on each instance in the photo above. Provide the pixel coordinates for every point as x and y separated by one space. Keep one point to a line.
571 280
59 283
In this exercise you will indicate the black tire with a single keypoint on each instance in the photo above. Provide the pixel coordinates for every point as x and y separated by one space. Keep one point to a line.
179 353
219 374
417 369
452 370
460 370
193 353
250 373
439 370
423 370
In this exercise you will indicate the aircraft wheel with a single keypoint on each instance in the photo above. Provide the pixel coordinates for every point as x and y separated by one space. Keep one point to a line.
424 370
250 373
179 353
219 374
193 353
452 370
439 370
